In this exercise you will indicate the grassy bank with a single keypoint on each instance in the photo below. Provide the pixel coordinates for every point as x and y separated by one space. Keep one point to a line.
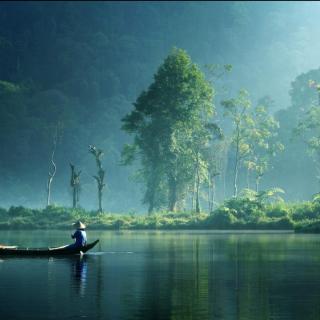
234 214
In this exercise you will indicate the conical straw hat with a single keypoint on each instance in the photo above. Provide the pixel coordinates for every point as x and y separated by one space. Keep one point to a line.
79 225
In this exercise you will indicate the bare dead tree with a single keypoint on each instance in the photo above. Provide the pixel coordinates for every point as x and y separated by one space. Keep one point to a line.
51 174
52 171
75 185
98 153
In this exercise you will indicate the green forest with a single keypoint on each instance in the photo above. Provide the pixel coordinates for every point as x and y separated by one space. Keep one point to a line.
128 117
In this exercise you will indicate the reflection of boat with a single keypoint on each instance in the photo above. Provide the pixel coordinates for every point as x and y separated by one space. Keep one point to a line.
65 250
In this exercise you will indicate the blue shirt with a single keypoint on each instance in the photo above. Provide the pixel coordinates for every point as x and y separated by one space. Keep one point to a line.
81 238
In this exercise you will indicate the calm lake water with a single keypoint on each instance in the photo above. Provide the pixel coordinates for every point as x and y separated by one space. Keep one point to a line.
164 275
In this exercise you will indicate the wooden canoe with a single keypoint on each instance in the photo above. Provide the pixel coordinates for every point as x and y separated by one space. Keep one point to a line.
19 251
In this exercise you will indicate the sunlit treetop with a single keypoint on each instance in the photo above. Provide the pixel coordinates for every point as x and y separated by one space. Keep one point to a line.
314 84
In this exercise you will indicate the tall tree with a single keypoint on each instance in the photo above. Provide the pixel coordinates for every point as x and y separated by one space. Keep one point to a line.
261 134
168 123
203 163
99 177
215 156
309 128
237 109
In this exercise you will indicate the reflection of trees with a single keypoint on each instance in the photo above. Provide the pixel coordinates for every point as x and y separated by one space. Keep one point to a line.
194 283
249 277
176 280
251 282
158 279
221 295
261 277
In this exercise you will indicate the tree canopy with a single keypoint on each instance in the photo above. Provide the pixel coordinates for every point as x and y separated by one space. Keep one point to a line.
171 123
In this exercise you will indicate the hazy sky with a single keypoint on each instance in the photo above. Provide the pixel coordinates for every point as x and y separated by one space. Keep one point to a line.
269 44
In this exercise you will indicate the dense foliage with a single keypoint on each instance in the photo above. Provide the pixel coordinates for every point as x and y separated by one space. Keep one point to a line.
172 123
257 211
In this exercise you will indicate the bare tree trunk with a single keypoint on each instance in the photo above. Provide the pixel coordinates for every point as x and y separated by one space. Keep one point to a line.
151 191
52 173
74 198
72 183
225 168
172 194
193 191
235 180
224 182
248 178
100 199
150 208
213 193
151 199
101 173
49 189
236 166
209 192
77 195
75 185
258 178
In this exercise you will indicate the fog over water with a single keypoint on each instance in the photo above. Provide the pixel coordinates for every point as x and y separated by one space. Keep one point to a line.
84 64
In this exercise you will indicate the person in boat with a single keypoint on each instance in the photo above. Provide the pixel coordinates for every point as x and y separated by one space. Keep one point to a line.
80 235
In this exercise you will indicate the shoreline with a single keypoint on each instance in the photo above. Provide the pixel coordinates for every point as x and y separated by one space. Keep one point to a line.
203 231
289 218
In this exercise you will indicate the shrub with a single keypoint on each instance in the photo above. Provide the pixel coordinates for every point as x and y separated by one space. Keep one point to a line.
308 228
306 210
244 208
282 224
278 210
221 218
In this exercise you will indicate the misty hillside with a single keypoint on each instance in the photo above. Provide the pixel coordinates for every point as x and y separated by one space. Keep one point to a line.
84 64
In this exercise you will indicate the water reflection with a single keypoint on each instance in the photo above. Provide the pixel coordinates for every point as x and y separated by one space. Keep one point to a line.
79 274
170 276
78 266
